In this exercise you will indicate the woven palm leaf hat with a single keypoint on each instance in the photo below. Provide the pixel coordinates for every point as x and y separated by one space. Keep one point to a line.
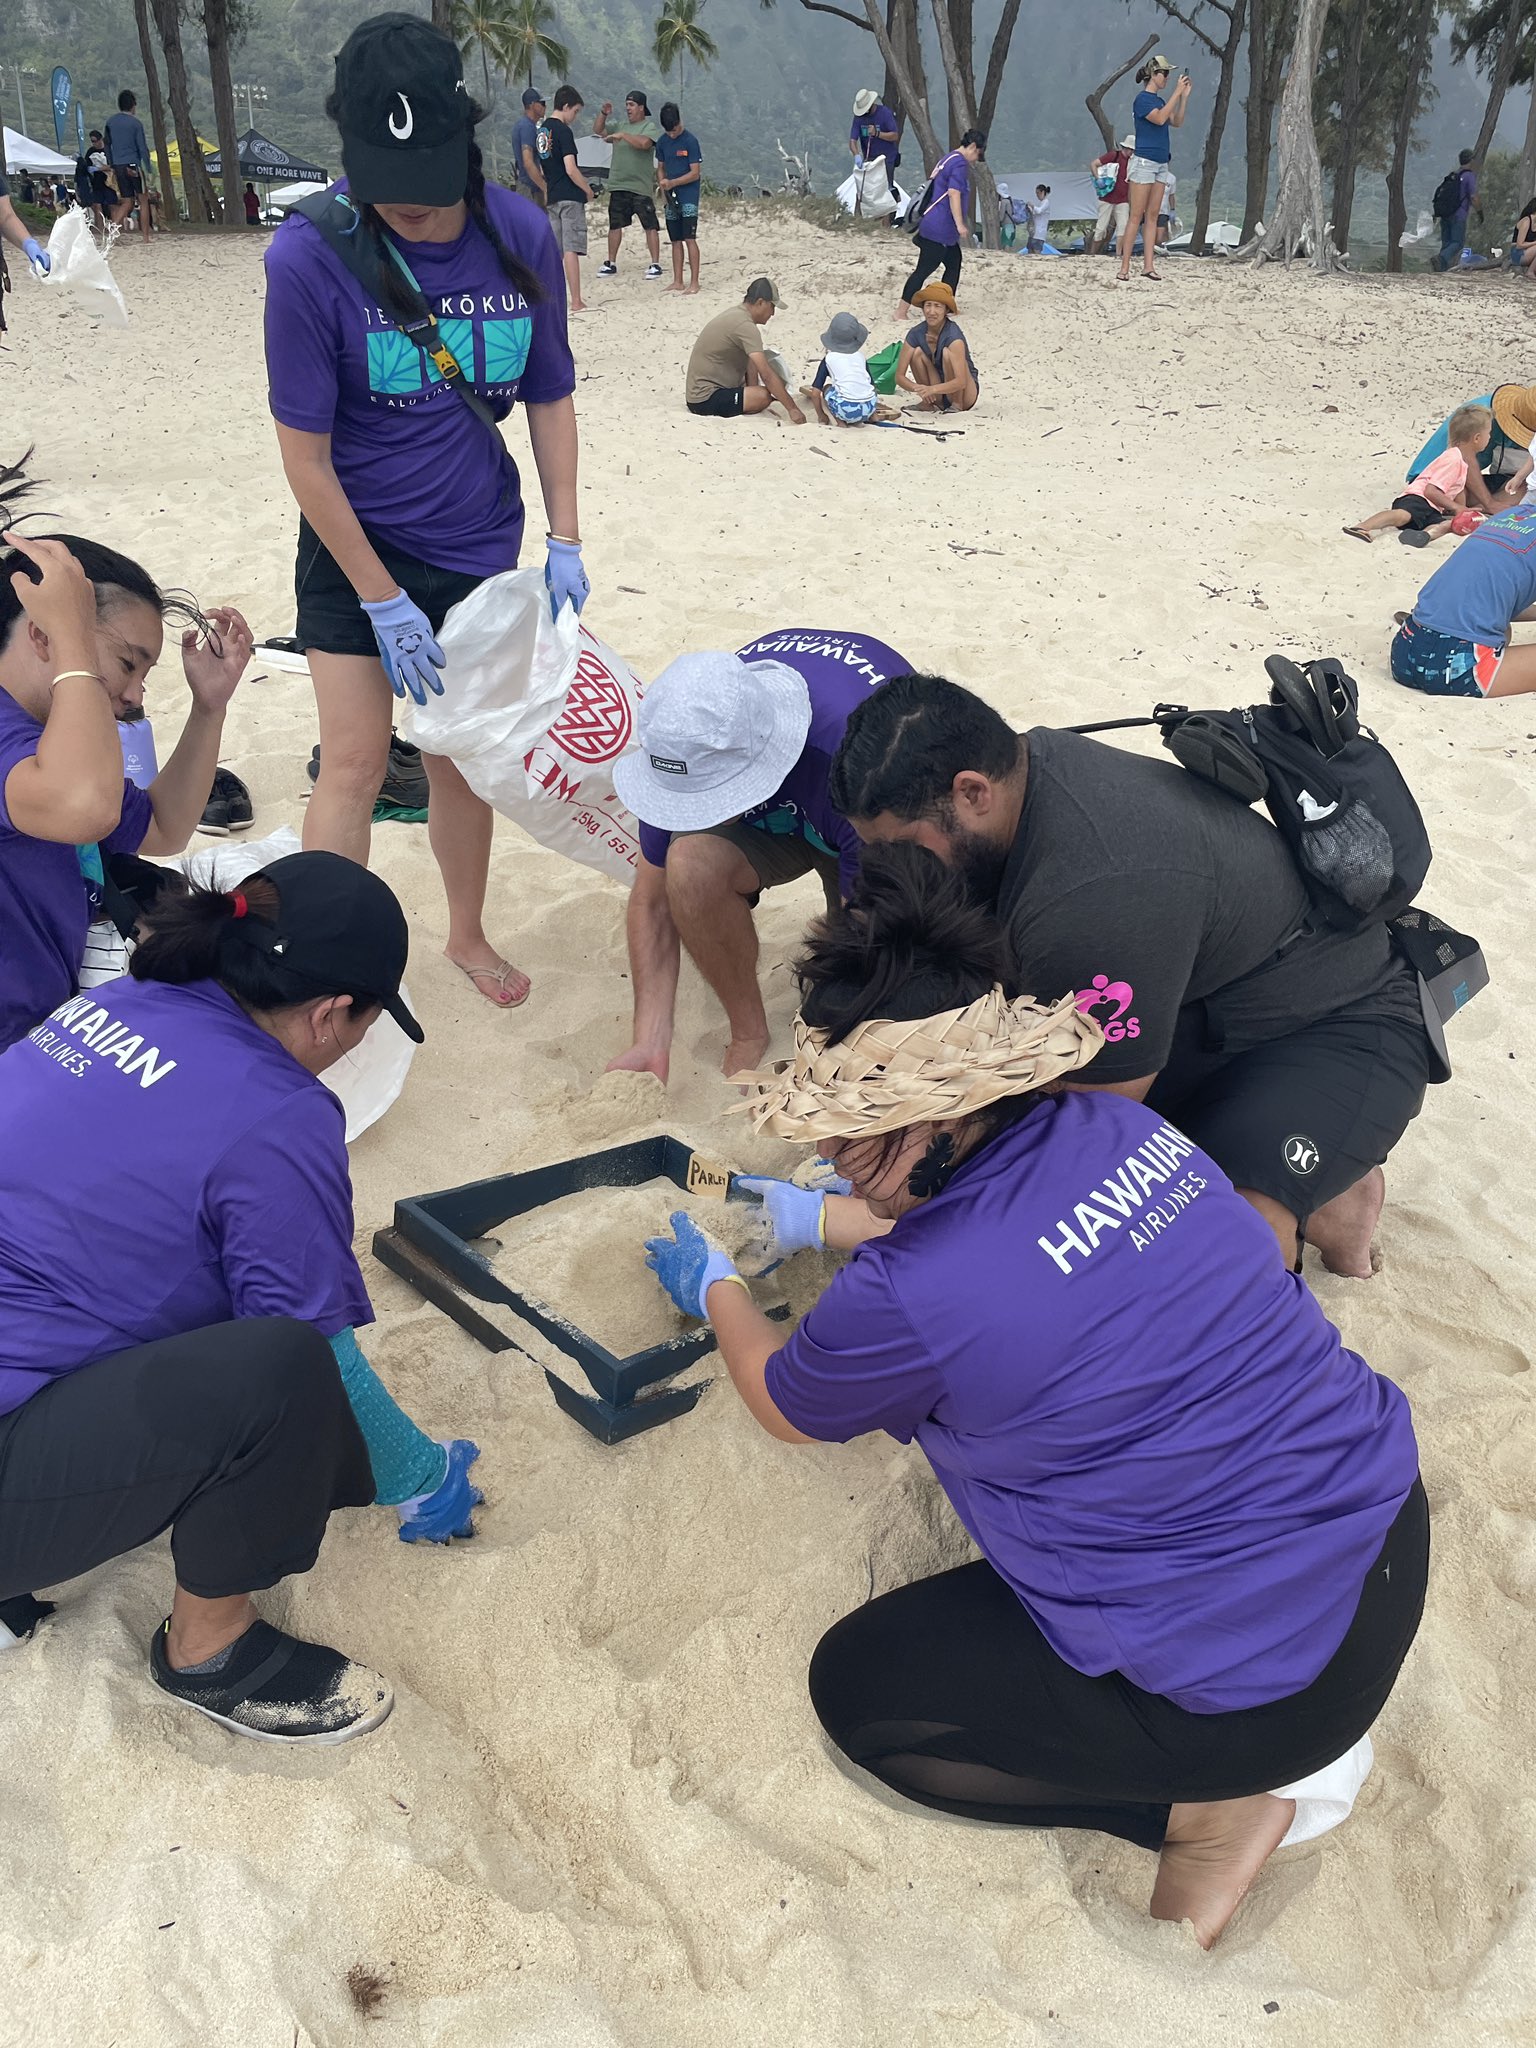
886 1075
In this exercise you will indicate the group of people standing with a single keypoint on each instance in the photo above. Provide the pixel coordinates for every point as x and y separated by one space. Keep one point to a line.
1075 1216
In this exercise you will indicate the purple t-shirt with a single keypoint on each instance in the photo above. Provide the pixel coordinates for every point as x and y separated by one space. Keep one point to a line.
418 468
840 670
1145 1422
938 223
46 903
206 1180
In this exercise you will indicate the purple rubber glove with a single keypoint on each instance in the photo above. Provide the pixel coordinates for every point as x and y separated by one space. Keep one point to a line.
37 255
407 648
564 577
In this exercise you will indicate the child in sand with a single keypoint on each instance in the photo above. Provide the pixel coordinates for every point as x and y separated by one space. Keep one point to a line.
1440 490
844 391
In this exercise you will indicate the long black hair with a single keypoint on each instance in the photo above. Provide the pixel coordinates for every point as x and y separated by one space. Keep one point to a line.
396 292
910 943
116 579
190 937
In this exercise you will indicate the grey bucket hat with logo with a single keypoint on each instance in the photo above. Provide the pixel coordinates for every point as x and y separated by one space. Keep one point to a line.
716 736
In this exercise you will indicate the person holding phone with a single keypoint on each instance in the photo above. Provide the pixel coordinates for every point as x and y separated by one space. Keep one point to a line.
1147 171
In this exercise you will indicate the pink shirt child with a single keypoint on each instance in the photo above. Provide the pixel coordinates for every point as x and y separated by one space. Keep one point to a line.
1448 473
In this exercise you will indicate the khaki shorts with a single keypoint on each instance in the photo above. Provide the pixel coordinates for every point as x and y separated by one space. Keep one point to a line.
568 218
1111 214
779 857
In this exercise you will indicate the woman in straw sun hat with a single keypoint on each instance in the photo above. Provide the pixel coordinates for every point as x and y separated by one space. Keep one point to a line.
1204 1540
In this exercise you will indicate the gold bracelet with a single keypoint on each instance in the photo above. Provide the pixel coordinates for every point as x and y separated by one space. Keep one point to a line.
564 540
67 674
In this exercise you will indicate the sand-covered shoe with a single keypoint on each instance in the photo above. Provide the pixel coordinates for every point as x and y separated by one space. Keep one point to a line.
19 1616
278 1689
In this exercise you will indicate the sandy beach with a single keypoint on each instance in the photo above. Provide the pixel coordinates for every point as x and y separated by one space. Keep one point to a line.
603 1812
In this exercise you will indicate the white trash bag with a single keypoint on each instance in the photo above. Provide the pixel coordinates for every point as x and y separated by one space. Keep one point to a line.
534 713
866 191
78 267
369 1079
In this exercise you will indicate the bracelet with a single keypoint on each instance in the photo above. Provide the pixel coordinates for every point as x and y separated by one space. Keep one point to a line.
68 674
564 540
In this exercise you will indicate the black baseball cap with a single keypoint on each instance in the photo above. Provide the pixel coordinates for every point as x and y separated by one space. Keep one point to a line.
338 929
404 113
533 97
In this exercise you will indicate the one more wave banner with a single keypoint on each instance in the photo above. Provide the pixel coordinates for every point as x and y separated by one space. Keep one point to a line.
59 90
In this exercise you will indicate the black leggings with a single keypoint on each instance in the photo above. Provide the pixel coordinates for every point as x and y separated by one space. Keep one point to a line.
239 1439
929 256
948 1692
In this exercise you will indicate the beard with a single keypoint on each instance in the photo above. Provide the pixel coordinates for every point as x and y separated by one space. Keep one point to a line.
979 862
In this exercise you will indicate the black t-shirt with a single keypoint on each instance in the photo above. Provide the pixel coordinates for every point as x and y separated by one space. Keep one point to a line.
1170 908
553 160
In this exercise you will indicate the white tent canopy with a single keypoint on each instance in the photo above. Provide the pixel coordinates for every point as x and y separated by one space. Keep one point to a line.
23 154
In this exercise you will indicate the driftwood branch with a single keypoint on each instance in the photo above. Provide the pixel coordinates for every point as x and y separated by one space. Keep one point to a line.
1095 100
822 7
1177 13
993 82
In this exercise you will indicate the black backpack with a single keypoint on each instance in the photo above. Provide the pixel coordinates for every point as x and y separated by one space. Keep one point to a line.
1335 794
1446 203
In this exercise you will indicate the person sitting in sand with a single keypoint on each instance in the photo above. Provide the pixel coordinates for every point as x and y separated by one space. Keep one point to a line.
843 390
1204 1540
80 629
1502 472
1456 640
1440 489
178 1312
1296 1056
935 360
729 371
1522 250
729 782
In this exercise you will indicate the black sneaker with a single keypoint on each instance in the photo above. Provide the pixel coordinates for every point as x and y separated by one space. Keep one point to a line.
19 1616
277 1689
229 807
405 780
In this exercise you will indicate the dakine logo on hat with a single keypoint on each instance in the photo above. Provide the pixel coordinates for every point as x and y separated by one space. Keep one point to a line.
666 767
404 113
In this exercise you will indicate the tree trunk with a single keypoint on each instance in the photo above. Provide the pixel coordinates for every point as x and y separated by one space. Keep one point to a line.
1351 96
201 203
1268 23
906 39
216 26
169 217
1211 160
1095 100
1298 204
441 12
1528 154
992 85
1419 32
1498 83
915 102
961 84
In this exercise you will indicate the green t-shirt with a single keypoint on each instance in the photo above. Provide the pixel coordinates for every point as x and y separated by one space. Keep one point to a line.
634 170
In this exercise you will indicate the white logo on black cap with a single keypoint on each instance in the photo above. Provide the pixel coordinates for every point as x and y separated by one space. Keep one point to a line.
403 134
1301 1155
665 767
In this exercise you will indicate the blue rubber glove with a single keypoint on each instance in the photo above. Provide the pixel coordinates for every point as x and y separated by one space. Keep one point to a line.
564 577
449 1509
410 655
789 1221
37 255
688 1265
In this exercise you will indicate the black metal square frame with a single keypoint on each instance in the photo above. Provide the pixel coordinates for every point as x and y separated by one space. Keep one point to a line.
431 1247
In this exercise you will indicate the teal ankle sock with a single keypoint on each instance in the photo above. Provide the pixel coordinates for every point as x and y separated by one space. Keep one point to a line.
406 1462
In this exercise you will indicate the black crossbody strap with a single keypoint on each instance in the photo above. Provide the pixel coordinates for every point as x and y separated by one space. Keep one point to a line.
341 225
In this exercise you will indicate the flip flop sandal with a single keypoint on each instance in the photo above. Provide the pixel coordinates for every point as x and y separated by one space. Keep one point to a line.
1355 533
476 975
275 1688
1412 538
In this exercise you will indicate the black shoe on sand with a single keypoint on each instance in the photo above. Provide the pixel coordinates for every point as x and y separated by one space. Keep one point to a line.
19 1616
278 1689
228 808
405 779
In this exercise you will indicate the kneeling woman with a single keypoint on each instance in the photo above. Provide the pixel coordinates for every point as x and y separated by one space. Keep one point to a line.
179 1297
1204 1541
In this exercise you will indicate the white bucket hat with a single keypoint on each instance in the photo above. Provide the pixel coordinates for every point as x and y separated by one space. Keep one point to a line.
862 102
716 735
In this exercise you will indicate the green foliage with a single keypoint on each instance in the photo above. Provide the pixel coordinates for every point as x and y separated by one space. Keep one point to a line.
1499 194
1382 72
680 36
1477 30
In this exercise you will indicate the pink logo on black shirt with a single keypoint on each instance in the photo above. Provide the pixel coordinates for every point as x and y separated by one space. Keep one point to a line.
1107 1002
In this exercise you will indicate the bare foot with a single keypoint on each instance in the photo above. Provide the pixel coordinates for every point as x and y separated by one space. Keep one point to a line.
641 1059
671 287
742 1055
1342 1230
1212 1853
496 979
577 306
689 290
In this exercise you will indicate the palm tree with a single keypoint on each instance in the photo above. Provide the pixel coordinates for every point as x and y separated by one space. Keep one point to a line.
529 24
679 36
513 35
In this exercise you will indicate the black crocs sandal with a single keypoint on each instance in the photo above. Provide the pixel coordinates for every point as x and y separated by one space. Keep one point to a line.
19 1616
278 1689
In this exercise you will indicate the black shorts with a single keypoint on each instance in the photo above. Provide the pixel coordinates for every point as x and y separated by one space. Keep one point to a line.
722 404
1304 1117
624 208
682 226
1420 511
331 617
129 183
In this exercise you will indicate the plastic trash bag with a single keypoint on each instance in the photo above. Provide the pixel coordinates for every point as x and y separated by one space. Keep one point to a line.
866 191
80 269
534 713
369 1079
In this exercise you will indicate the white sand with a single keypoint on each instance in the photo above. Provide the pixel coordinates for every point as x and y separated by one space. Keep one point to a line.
602 1811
